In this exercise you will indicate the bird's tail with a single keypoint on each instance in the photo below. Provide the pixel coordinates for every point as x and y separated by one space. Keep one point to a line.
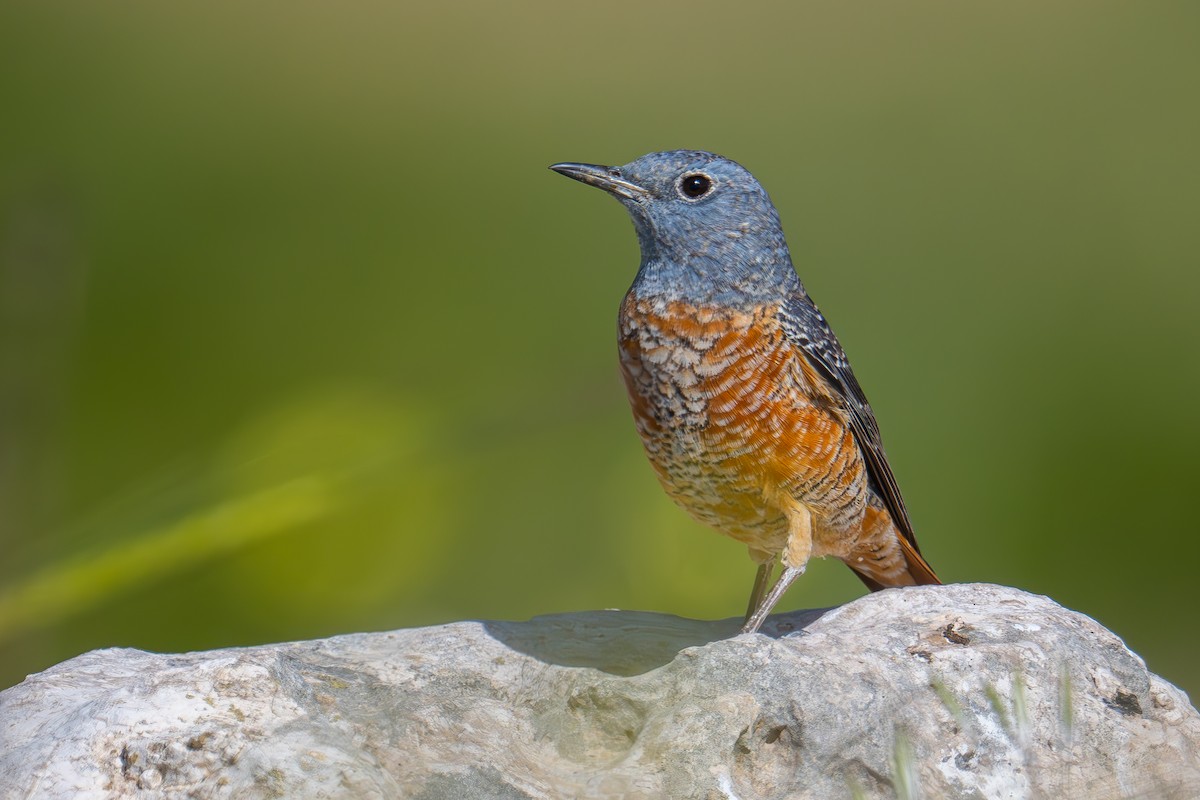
885 558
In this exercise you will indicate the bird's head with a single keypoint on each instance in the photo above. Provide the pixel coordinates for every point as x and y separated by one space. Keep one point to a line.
705 225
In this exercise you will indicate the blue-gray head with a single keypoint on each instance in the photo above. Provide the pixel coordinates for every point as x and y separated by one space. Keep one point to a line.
707 229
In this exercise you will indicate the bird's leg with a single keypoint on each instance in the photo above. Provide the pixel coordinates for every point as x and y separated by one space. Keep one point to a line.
755 620
795 559
762 581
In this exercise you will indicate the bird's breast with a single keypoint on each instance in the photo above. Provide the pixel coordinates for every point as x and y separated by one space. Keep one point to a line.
731 413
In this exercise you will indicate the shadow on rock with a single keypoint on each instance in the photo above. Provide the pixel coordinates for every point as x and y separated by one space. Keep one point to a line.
627 642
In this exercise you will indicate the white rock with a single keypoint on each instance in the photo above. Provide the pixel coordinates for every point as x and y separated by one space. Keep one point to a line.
963 691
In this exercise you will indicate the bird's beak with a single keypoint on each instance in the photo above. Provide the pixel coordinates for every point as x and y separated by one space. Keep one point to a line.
607 178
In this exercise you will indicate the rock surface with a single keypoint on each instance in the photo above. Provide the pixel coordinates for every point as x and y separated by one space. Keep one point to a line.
963 691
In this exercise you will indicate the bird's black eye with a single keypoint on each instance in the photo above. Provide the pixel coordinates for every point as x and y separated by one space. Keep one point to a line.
695 185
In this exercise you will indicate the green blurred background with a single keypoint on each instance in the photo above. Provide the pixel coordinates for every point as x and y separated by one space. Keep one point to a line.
298 335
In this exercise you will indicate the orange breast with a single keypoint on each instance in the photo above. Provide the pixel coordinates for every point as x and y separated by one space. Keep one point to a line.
732 414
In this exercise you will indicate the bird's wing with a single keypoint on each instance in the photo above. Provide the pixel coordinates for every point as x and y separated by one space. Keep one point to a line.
807 329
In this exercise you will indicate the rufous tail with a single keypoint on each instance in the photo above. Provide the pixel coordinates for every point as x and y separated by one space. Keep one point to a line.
890 560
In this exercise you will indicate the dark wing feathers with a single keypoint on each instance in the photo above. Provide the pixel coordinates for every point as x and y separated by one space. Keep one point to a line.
808 330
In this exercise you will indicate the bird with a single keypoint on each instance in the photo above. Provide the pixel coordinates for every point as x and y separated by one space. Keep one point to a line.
745 401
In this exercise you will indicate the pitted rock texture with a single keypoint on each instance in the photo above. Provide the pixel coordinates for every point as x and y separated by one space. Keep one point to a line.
961 691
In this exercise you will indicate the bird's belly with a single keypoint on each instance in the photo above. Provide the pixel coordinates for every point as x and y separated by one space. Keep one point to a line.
715 485
730 422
